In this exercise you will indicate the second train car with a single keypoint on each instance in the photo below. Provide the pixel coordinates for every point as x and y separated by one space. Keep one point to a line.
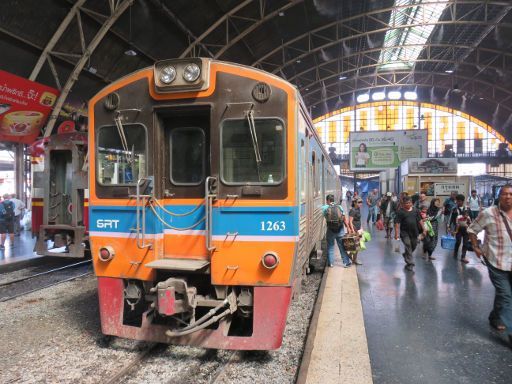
206 185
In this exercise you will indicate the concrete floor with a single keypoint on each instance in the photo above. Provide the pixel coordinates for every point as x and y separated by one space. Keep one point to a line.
430 326
23 249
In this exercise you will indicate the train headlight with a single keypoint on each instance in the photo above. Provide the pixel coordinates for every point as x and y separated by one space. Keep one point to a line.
106 253
168 74
191 72
270 260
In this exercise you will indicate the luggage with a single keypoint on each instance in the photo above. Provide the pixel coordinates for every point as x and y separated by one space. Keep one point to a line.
351 242
448 242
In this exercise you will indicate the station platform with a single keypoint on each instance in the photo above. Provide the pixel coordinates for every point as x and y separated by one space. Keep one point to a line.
383 324
22 253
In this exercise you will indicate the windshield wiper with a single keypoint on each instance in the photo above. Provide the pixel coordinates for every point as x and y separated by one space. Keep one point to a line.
254 137
130 156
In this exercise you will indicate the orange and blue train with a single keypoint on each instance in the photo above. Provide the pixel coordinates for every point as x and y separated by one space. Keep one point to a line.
206 183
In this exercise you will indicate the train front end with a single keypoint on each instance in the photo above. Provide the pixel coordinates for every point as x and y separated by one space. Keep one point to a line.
193 213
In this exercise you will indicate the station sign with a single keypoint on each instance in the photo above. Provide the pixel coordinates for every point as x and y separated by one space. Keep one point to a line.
380 150
445 189
24 107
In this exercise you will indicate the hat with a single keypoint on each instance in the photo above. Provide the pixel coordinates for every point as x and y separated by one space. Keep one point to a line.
388 194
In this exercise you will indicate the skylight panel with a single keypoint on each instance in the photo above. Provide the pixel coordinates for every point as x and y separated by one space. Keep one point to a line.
404 43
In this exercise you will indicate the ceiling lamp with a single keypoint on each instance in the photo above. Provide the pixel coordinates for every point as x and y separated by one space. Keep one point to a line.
130 51
363 98
394 95
410 95
378 96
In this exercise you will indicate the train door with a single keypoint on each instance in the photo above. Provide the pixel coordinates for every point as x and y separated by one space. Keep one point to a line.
186 168
310 195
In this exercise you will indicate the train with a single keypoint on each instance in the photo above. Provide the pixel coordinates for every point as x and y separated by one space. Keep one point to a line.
59 193
206 186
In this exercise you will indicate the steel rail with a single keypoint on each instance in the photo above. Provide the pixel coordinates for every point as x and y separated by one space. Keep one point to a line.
8 298
43 273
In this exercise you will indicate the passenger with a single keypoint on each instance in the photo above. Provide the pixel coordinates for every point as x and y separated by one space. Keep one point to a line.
336 224
422 202
388 212
474 204
355 225
434 213
448 205
458 224
348 196
6 221
372 201
19 208
496 252
408 224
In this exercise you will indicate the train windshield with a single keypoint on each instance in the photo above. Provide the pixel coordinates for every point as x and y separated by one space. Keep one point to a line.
187 156
239 156
121 159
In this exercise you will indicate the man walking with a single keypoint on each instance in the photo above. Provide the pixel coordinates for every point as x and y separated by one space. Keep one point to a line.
19 207
458 226
496 251
408 225
6 221
336 224
388 210
474 204
371 200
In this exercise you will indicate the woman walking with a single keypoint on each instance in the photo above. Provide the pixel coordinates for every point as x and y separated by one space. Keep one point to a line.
434 213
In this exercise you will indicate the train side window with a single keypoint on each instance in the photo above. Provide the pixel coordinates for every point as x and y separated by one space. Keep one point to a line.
314 181
187 156
121 161
239 151
303 171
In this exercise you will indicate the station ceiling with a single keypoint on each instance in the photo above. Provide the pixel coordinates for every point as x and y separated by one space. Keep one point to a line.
332 50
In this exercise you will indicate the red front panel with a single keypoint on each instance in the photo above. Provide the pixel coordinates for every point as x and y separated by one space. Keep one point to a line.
270 310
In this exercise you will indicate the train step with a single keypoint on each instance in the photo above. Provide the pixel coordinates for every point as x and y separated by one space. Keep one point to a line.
179 264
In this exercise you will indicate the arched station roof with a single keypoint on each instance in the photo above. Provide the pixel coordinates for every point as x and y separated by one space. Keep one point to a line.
451 52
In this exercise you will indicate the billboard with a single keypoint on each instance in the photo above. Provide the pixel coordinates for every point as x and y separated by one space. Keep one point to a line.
445 189
24 107
378 150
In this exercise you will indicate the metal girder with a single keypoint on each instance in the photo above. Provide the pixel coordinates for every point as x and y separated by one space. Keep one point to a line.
256 23
121 7
421 79
39 48
335 28
169 14
343 63
55 38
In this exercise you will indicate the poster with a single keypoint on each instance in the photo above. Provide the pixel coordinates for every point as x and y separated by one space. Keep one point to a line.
378 150
24 107
427 187
433 166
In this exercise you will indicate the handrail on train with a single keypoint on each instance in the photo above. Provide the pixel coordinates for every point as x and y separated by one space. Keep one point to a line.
209 197
141 234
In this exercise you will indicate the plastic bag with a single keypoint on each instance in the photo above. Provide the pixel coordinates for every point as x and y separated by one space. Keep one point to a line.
366 236
379 225
397 246
362 245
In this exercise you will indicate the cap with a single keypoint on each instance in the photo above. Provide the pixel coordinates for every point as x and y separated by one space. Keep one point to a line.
388 194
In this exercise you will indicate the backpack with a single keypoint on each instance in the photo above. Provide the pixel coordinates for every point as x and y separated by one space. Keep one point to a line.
334 218
8 210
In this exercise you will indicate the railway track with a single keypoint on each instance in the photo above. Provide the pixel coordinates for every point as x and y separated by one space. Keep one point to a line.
15 288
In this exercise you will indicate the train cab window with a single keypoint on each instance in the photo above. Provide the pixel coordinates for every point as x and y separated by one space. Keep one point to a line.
253 154
121 156
187 156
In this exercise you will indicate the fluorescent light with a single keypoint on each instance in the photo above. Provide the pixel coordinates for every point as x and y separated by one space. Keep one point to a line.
363 98
394 95
410 95
297 61
342 77
378 96
449 71
130 52
281 13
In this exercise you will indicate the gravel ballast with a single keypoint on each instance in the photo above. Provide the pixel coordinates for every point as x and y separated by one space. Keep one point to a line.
54 336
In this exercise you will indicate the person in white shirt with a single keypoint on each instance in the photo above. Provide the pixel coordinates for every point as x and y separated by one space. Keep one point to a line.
474 204
362 157
19 208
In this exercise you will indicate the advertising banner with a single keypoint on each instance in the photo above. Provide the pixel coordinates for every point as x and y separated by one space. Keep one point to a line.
24 107
445 189
378 150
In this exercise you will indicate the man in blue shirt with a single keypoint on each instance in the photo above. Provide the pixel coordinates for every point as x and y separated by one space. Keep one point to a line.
336 224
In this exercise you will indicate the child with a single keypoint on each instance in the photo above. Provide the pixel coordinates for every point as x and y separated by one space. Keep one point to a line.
463 221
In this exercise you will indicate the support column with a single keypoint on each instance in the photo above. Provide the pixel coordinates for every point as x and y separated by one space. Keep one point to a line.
19 171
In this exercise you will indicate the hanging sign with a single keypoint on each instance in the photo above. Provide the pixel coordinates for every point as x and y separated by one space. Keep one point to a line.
24 107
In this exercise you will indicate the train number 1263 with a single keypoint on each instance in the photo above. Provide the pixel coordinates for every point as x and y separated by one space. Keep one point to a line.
268 226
